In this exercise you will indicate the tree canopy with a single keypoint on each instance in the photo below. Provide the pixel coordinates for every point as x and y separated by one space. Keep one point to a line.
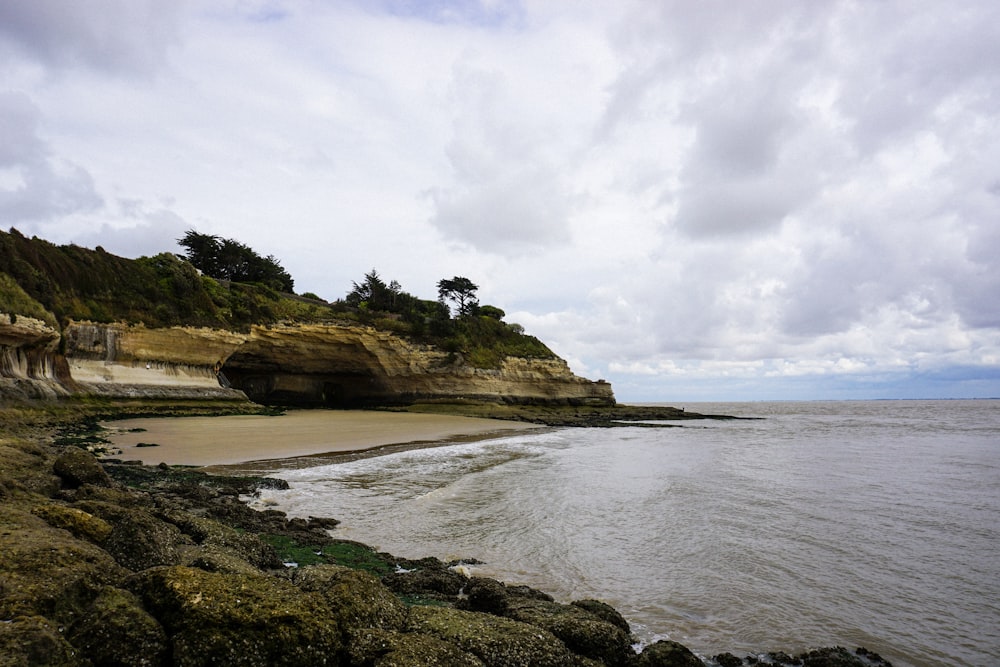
477 333
460 291
373 293
227 259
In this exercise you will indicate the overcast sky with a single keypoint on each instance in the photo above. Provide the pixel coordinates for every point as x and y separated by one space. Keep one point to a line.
693 200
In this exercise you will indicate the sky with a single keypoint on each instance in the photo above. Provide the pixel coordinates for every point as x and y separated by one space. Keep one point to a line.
696 201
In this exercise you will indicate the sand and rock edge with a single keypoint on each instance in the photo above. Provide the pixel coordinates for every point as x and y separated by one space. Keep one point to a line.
105 563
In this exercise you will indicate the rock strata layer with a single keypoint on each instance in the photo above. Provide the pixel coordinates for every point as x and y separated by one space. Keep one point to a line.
296 364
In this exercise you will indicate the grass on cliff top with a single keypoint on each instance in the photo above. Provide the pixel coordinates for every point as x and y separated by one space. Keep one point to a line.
74 283
18 302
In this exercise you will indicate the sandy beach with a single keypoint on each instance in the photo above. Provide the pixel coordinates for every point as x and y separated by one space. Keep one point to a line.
228 440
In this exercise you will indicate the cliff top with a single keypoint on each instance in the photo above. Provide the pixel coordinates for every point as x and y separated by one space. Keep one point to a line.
62 283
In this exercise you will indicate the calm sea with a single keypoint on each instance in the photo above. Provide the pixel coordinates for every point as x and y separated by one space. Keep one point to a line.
873 523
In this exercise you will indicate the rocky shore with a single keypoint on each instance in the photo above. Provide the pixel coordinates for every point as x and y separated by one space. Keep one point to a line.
109 563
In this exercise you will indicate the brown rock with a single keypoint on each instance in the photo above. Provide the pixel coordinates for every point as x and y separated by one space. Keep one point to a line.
77 467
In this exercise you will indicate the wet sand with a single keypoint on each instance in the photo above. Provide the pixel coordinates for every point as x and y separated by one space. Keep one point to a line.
228 440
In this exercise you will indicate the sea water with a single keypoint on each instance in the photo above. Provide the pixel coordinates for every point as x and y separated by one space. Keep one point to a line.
873 523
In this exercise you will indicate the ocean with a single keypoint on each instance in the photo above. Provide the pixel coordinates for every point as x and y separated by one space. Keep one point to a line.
852 523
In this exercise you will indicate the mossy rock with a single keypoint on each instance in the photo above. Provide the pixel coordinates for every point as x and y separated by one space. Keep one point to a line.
44 571
605 612
117 632
498 642
356 599
139 539
26 469
218 559
386 648
31 641
434 582
485 595
239 619
81 524
76 467
666 653
220 538
580 630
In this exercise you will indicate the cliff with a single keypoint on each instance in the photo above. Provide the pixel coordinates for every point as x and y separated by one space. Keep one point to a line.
75 321
293 364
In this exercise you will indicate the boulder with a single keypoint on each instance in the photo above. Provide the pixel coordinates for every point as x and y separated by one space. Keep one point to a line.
26 468
45 571
666 653
497 642
220 538
117 632
582 631
239 619
485 595
434 581
138 538
838 656
385 648
81 524
356 599
31 641
217 559
605 612
76 467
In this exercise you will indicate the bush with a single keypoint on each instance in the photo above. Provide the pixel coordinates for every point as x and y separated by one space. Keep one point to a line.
17 302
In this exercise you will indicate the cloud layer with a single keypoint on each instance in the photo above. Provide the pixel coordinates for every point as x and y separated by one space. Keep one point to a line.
692 200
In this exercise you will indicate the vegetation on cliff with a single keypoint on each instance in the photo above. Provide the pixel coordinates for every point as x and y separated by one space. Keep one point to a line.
228 259
61 283
74 283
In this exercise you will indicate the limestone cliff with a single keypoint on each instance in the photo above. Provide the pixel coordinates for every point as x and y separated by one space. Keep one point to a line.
303 364
27 358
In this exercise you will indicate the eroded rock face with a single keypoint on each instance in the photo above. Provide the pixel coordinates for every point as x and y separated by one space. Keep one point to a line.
344 365
27 359
297 364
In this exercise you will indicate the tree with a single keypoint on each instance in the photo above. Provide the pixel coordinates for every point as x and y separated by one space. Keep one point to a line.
373 292
227 259
492 311
460 291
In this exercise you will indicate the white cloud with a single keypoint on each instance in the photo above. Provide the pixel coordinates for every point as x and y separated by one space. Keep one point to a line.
36 185
115 36
782 200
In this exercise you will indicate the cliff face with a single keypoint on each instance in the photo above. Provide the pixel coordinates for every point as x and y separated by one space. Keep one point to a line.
305 364
27 358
